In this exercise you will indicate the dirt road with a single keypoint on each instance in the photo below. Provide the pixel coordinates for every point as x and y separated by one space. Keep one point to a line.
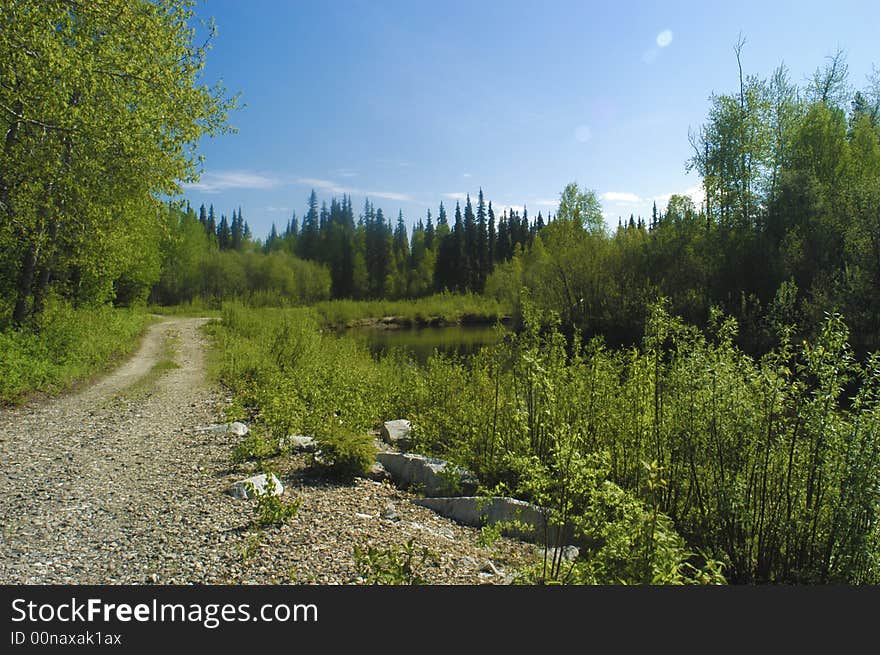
121 484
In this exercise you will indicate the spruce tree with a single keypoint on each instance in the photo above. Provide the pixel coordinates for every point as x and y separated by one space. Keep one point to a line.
224 234
212 225
492 247
429 233
481 246
471 257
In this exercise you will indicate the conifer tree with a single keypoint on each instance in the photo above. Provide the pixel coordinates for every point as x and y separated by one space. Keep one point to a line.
224 234
212 224
492 246
482 263
429 233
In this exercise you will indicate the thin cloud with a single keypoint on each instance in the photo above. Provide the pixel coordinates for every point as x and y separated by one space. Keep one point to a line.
274 209
621 197
455 196
389 195
324 185
466 175
546 202
334 187
400 163
346 172
221 180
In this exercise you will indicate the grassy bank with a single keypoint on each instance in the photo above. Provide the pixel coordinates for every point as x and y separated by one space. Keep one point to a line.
439 309
674 459
288 377
69 346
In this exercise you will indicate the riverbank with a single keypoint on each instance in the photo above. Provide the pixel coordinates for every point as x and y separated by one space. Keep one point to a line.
439 310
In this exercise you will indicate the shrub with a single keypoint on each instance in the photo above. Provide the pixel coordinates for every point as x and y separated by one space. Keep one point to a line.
394 566
345 453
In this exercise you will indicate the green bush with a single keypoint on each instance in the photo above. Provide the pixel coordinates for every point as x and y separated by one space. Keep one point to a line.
66 346
345 453
406 565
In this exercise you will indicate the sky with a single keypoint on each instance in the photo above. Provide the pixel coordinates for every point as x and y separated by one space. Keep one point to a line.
413 103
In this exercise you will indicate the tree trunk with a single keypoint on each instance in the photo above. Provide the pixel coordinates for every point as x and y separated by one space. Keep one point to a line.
25 283
40 291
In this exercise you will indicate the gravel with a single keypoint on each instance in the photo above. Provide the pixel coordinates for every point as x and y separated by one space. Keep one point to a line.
120 484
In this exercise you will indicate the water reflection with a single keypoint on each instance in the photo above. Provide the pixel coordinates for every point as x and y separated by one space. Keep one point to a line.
420 343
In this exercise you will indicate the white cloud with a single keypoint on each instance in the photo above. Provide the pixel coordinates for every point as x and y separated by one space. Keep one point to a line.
334 187
324 185
583 133
346 172
664 38
390 195
466 175
695 193
274 209
621 197
222 180
455 196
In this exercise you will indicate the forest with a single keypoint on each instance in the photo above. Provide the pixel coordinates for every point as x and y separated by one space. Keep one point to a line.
697 389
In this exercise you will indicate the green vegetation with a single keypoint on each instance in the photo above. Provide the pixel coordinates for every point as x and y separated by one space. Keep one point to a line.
682 393
101 107
272 510
678 459
787 232
69 346
344 452
199 270
394 566
300 379
439 309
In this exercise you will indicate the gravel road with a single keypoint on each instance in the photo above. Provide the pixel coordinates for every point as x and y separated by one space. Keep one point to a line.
121 484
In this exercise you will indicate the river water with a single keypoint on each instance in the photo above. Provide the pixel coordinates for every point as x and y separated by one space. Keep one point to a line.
420 343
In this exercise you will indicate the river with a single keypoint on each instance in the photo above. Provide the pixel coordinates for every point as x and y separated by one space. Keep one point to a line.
421 342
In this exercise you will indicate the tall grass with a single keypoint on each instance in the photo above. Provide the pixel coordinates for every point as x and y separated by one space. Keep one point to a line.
69 345
443 308
770 466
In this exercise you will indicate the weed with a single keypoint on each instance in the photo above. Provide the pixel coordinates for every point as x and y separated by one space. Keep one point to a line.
406 565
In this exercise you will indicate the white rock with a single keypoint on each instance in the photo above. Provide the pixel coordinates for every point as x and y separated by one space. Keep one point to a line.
434 477
263 483
298 442
517 518
397 433
236 428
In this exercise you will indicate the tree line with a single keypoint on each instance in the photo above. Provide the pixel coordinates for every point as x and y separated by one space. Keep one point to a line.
788 232
373 257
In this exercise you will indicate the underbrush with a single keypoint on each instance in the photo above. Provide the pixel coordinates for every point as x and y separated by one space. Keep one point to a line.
681 461
442 308
67 346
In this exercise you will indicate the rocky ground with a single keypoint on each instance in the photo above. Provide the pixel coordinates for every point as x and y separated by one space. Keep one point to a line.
122 484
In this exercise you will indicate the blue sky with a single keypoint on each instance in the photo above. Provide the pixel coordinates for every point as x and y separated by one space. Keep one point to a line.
413 103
